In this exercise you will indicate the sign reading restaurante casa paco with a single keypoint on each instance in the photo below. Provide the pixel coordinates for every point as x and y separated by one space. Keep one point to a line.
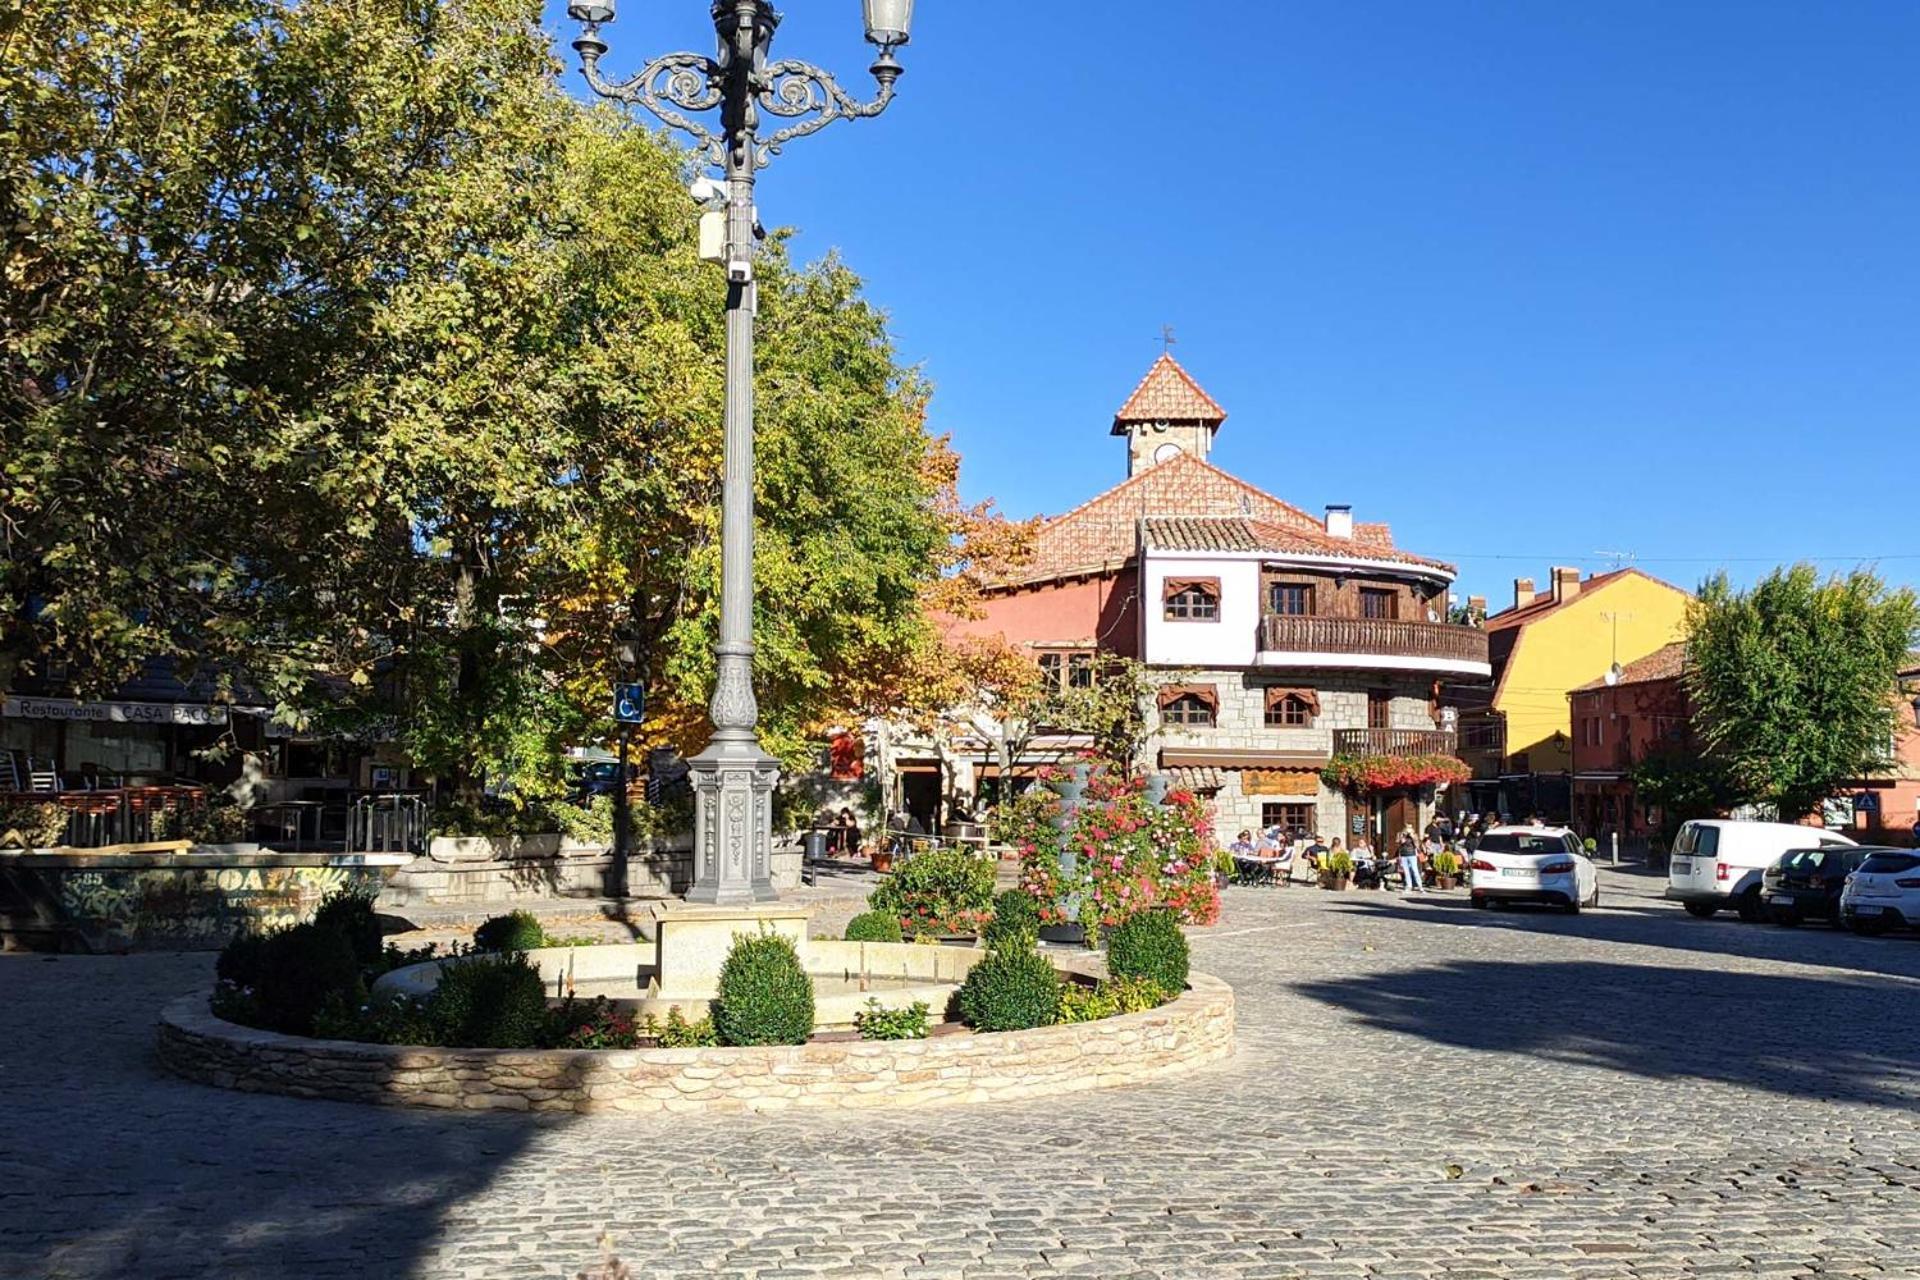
184 713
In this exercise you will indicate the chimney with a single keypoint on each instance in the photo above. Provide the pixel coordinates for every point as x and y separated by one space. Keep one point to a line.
1339 520
1477 606
1566 583
1522 592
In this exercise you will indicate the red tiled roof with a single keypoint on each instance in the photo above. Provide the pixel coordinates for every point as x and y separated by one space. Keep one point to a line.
1661 664
1545 603
1238 533
1101 533
1168 394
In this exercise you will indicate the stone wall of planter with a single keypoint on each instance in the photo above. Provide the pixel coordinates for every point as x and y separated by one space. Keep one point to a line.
468 870
1187 1033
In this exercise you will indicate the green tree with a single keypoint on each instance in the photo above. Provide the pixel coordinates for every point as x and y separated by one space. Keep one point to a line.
1794 681
343 348
1112 709
1683 786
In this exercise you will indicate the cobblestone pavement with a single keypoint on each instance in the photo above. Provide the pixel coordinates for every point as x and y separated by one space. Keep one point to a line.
1421 1090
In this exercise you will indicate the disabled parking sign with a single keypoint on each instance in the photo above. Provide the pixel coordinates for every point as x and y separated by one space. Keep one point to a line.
629 703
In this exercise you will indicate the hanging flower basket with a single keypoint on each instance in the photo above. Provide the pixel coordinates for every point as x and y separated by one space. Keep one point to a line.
1362 775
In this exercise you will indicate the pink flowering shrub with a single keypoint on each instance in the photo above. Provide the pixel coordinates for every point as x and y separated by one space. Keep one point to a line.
1132 855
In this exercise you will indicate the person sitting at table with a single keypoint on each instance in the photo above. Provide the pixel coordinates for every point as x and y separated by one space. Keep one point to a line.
1242 847
843 837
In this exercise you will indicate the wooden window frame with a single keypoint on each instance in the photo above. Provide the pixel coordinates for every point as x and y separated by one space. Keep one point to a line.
1309 597
1387 597
1279 809
1180 599
1204 695
1280 702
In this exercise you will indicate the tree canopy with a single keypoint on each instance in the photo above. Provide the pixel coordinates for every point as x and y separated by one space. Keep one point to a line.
1794 682
344 353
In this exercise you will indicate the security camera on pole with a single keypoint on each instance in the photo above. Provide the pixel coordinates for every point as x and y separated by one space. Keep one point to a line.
733 779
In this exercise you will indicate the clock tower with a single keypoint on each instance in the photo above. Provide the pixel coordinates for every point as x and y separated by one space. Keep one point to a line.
1168 415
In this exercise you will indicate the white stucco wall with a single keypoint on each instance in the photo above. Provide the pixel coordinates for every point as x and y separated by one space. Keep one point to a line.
1231 641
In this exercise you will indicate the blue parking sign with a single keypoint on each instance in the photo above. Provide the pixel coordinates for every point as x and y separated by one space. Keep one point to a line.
629 703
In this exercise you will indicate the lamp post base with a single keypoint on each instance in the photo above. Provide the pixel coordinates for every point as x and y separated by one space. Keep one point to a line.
733 782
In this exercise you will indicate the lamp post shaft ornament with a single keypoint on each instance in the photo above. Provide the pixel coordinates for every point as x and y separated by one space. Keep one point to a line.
733 779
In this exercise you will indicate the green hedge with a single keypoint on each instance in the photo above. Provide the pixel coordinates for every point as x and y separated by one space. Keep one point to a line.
764 997
1149 945
300 971
516 931
488 1002
873 926
1014 988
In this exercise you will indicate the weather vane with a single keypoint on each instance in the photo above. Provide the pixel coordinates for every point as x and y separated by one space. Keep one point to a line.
1167 340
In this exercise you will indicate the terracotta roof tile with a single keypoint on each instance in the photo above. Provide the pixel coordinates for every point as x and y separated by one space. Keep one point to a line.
1661 664
1202 533
1237 533
1168 394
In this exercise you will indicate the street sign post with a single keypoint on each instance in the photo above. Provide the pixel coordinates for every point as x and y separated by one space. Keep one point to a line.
629 709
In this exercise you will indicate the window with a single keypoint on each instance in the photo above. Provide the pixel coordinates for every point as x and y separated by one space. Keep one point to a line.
1289 711
1379 709
1379 602
1482 735
1190 710
1290 597
1292 819
1192 599
1062 671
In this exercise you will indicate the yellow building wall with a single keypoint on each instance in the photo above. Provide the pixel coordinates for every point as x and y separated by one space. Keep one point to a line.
1574 645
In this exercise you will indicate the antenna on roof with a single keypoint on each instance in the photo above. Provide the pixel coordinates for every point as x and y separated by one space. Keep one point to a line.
1617 560
1167 340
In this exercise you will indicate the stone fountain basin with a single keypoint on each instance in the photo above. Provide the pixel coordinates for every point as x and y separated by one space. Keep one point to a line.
846 975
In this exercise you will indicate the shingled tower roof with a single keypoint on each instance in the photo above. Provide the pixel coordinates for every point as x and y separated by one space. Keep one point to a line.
1168 394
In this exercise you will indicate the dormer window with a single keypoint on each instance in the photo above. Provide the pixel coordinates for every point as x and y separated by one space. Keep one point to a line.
1191 600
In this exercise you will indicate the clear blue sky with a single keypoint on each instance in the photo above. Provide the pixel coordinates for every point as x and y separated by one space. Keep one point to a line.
1530 281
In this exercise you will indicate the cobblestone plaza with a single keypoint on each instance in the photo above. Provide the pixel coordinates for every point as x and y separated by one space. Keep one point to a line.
1420 1090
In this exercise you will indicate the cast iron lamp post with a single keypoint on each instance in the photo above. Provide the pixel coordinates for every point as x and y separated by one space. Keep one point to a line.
733 779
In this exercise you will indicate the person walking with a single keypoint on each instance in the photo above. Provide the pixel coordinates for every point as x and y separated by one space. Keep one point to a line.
1406 847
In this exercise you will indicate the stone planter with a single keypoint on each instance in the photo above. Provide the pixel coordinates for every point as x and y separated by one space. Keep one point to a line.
1336 883
881 860
493 848
1444 882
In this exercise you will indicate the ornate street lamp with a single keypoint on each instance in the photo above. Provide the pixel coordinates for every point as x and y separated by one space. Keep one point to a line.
733 779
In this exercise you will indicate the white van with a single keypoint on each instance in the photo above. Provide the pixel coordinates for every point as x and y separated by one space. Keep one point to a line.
1718 863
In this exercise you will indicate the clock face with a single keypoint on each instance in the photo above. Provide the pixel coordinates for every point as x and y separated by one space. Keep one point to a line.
1166 452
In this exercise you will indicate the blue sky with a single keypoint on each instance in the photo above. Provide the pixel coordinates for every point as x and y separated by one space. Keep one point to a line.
1530 281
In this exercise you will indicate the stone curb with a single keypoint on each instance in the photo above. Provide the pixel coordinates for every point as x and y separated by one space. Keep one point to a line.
1195 1029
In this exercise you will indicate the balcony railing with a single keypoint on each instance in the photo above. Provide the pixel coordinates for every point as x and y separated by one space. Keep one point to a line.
1372 637
1395 742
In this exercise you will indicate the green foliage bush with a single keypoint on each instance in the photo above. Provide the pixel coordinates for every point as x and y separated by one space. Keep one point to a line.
1134 995
489 1002
1149 945
938 891
1003 931
39 826
516 931
677 1033
1082 1003
877 1023
873 926
241 958
764 996
299 971
1012 989
350 913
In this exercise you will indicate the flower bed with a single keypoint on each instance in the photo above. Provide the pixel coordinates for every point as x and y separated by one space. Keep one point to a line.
1131 855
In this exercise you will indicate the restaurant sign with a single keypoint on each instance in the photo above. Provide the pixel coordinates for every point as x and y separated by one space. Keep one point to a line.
182 713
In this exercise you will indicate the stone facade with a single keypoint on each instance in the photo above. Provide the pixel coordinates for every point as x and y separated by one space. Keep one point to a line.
1240 725
1195 1029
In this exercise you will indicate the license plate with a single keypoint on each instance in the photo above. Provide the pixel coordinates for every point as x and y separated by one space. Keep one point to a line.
1782 899
1681 867
1867 911
1518 871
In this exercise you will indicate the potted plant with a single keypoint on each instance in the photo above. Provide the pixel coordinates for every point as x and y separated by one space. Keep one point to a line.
881 858
1336 870
1224 868
1446 869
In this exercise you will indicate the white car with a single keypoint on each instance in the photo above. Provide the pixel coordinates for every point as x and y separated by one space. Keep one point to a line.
1532 864
1719 863
1884 893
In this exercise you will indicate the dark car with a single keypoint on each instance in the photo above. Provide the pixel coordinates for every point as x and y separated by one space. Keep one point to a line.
599 778
1806 883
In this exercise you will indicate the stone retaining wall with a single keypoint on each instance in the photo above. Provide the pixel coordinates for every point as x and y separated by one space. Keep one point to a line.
1196 1028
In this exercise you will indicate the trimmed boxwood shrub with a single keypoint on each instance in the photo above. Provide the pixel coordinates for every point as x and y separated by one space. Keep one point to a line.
300 970
873 926
1012 989
1149 945
488 1002
516 931
764 997
1017 906
241 958
350 913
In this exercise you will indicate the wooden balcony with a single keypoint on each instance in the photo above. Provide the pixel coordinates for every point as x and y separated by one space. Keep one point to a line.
1395 742
1451 647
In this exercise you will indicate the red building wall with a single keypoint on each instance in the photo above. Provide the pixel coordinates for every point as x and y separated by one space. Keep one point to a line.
1101 612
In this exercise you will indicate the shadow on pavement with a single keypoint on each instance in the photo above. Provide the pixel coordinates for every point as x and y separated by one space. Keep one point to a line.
1644 923
111 1167
1835 1038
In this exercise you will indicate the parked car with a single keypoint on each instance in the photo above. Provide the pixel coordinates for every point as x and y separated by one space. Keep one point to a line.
598 778
1719 863
1806 883
1884 893
1532 864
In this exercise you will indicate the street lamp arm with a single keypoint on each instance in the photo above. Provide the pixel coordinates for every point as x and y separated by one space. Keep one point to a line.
670 87
811 97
